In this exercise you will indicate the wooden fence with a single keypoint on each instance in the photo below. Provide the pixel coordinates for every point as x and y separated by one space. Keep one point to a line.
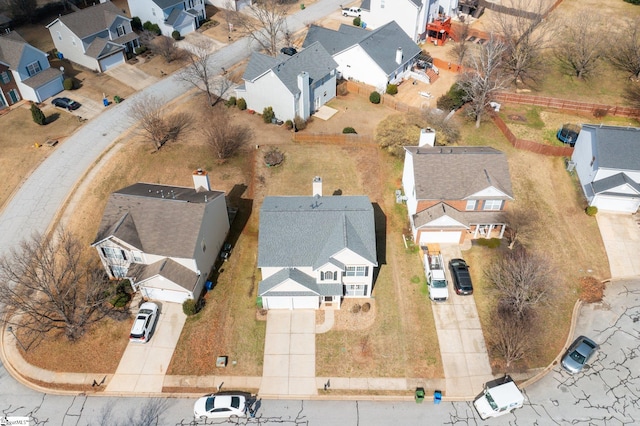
333 138
531 146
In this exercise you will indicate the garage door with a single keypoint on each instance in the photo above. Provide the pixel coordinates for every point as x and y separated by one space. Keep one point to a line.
164 295
48 90
291 302
627 205
111 61
439 237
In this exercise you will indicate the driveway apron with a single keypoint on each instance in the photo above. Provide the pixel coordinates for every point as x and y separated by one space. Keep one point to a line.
143 366
132 76
462 345
621 237
289 354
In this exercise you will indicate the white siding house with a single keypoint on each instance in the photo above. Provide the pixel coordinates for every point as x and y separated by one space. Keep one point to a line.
183 16
28 68
164 239
97 37
375 57
313 251
293 86
607 161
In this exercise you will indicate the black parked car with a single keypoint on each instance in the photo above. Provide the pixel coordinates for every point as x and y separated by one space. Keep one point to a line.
65 103
290 51
461 277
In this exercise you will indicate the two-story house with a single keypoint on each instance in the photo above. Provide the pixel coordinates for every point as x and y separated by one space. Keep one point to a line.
165 239
293 86
455 192
376 58
25 72
315 250
607 160
97 37
183 16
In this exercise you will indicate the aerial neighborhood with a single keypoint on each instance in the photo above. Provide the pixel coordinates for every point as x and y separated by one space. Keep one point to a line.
414 199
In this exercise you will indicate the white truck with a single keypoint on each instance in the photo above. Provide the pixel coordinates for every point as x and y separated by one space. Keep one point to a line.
434 270
499 397
354 12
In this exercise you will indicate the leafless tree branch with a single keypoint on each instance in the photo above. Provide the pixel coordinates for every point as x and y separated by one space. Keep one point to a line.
580 44
265 22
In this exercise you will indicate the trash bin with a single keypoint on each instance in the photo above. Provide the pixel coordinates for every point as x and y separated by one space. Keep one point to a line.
419 395
105 101
209 285
437 397
60 55
302 6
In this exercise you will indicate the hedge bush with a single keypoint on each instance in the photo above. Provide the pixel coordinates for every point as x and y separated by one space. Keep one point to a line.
392 89
241 104
349 130
591 210
139 50
176 35
268 114
288 124
357 21
231 101
189 307
136 23
68 83
374 97
300 123
37 115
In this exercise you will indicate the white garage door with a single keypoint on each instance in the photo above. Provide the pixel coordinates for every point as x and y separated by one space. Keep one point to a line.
291 302
111 61
627 205
164 295
439 237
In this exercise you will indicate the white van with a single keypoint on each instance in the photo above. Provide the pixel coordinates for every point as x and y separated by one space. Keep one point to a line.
499 398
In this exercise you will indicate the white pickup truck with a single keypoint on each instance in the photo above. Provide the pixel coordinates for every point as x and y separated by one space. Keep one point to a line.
352 11
434 270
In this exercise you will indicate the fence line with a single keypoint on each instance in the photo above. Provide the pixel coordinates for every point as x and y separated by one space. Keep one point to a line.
544 101
531 146
333 138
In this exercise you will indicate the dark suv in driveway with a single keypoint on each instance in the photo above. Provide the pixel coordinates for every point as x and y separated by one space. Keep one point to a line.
461 277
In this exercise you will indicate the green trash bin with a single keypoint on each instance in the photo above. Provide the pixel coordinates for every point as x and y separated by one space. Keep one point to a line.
419 395
302 6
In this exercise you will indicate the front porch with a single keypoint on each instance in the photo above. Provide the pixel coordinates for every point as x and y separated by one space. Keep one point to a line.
490 230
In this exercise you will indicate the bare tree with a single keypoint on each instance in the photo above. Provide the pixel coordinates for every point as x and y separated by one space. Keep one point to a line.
580 44
484 76
510 337
461 47
624 54
167 48
265 21
523 280
520 224
632 94
225 140
156 125
50 283
525 35
199 71
22 9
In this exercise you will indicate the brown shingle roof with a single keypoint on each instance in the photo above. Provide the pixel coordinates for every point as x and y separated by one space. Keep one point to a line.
156 219
466 217
43 77
455 173
169 269
11 47
92 19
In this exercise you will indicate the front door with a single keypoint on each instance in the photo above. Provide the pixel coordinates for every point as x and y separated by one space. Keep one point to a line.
14 95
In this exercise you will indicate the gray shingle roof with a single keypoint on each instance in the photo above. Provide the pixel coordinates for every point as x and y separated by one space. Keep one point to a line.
265 286
381 44
101 47
173 16
455 173
465 217
11 48
604 185
365 5
156 219
306 231
163 4
92 19
314 60
43 77
168 269
616 147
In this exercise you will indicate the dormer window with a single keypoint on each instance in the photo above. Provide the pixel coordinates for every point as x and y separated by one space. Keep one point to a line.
33 68
120 30
471 204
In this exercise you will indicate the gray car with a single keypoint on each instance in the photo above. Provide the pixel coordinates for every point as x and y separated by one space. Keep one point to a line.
578 354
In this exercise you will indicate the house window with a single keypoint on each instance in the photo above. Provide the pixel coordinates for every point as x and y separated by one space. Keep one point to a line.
492 205
471 204
33 68
137 256
14 96
118 271
120 30
381 4
59 35
5 77
356 271
114 253
153 11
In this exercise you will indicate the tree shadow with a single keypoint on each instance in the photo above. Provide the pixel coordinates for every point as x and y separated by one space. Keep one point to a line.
380 221
52 117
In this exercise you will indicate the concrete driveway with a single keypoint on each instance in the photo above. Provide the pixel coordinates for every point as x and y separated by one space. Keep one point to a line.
289 354
621 237
143 366
462 346
132 76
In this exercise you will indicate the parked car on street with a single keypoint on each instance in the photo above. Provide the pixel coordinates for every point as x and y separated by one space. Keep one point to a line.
220 406
144 323
289 51
461 277
580 351
65 103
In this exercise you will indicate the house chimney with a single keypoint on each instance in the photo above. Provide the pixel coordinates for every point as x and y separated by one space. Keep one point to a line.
201 180
399 55
304 101
317 186
427 137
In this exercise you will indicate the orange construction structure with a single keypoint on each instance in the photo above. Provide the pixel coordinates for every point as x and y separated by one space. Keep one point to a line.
439 30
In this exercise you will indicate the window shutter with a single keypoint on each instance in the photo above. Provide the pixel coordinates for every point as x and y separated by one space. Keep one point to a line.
321 276
124 254
104 252
335 276
366 271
